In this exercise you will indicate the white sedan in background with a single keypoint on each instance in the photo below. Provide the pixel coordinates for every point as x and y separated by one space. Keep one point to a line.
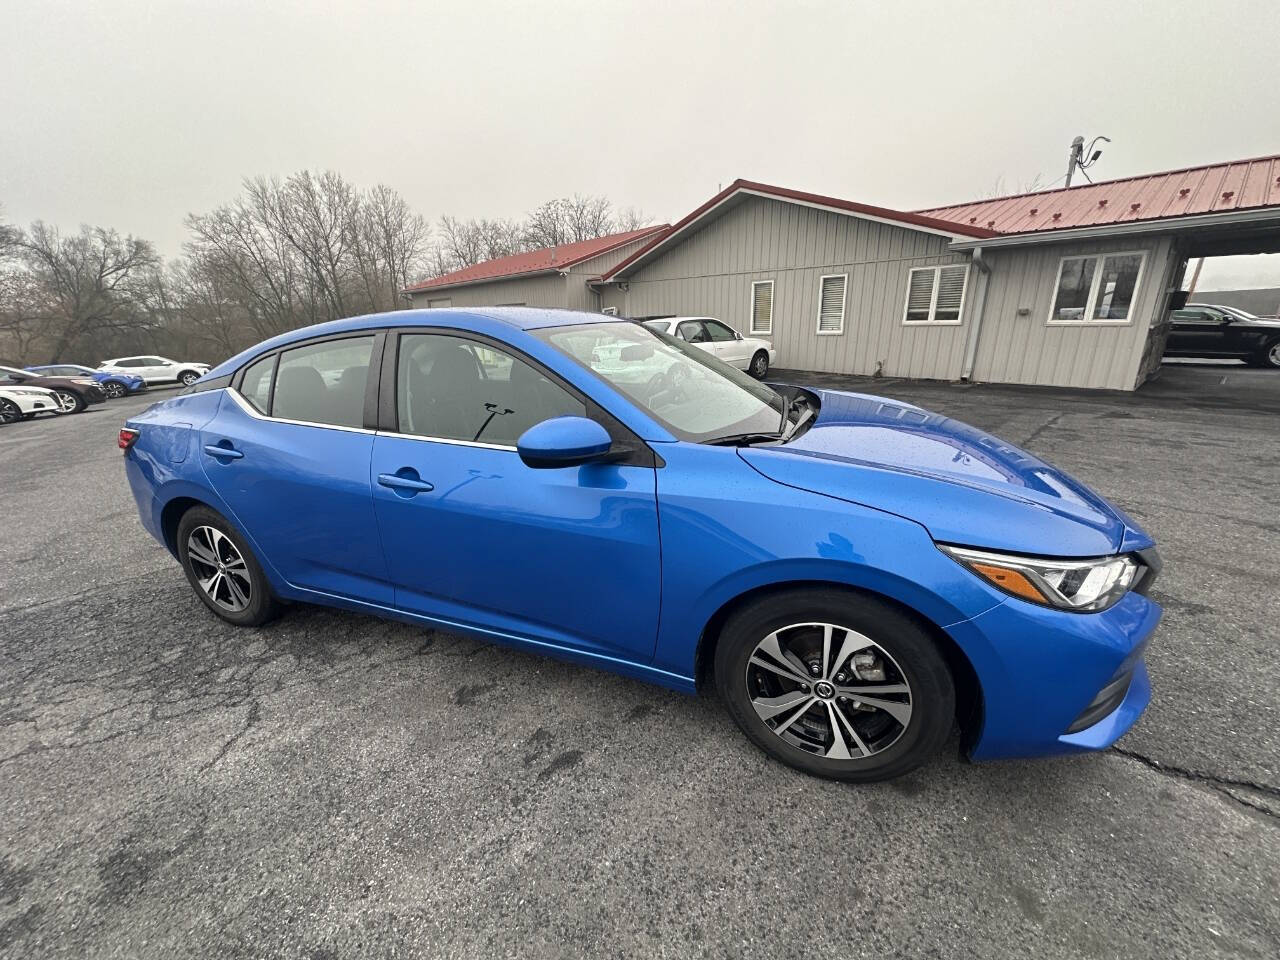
715 336
157 369
18 403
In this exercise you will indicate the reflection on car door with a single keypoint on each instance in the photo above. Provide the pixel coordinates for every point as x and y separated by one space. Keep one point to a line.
289 454
566 556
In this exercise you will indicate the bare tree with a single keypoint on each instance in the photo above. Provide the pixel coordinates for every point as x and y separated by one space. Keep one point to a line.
631 218
22 313
88 283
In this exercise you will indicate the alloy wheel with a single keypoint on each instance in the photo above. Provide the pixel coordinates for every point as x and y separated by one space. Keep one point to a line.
9 412
189 378
114 390
829 690
1273 355
760 365
66 401
219 568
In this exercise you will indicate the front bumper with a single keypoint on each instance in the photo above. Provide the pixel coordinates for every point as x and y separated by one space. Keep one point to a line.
1057 682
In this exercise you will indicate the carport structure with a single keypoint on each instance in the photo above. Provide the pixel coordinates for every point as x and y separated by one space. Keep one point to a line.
1223 209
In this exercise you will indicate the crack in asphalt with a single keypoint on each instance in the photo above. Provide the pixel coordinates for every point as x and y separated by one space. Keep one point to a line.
1047 425
1219 784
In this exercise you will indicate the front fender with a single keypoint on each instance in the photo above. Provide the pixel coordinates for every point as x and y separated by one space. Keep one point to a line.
727 531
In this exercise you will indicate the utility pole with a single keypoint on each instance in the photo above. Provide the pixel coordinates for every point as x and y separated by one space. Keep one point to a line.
1195 278
1077 148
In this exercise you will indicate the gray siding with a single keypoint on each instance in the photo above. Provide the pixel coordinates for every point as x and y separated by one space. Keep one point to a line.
539 290
711 271
1024 347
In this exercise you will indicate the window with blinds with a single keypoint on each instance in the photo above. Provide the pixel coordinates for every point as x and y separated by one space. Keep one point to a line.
935 294
762 306
831 303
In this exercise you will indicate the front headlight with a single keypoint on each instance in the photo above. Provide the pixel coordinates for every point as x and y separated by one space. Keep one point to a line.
86 383
1084 586
28 392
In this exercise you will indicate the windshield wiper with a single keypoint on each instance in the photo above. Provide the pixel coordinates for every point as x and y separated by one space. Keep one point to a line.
808 414
743 439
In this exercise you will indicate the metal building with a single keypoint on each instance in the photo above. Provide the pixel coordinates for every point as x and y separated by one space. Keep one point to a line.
1068 287
550 277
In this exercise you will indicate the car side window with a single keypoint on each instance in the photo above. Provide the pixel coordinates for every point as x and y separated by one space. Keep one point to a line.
323 382
718 331
691 331
255 385
128 362
155 361
451 388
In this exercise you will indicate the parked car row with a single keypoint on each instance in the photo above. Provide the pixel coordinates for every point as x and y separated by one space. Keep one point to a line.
71 387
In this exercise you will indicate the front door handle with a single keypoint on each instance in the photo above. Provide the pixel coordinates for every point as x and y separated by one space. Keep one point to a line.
406 479
218 450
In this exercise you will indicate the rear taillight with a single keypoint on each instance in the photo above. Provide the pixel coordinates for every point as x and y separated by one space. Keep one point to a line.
128 437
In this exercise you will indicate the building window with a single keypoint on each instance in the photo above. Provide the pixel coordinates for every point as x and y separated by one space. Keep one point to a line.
762 306
1097 289
831 303
936 294
439 302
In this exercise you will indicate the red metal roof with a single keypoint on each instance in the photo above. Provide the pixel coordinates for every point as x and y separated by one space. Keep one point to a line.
815 199
1215 188
536 261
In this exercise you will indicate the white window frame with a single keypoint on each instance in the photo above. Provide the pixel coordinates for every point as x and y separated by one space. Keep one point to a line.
844 301
751 309
610 311
932 320
439 303
1092 302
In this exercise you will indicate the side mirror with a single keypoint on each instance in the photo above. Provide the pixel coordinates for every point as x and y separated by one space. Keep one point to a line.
737 335
563 442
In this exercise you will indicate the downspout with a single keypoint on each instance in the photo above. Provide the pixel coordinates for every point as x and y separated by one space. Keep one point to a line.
975 324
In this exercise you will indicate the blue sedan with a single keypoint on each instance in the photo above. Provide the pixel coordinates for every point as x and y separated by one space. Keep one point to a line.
114 385
851 573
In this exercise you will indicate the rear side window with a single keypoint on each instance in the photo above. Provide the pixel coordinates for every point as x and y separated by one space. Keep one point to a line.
323 382
451 388
255 386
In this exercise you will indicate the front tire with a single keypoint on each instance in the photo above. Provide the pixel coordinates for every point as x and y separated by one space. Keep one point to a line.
113 390
188 377
223 571
68 402
759 365
10 412
836 684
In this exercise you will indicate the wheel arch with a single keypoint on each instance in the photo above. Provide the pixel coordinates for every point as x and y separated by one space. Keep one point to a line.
969 698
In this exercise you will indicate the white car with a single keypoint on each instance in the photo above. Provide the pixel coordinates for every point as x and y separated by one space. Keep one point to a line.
715 336
18 403
157 369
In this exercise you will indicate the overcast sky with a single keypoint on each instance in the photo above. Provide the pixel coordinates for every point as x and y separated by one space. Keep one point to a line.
132 114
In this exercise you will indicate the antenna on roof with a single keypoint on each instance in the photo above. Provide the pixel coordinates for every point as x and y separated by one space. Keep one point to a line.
1078 153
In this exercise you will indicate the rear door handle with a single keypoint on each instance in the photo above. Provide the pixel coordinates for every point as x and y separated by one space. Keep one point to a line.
396 481
226 453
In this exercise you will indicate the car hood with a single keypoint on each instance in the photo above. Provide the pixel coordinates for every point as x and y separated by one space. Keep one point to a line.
963 485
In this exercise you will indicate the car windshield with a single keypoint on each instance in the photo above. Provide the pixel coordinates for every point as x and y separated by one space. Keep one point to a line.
691 393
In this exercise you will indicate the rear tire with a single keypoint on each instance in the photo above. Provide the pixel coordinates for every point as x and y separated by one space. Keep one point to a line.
223 571
10 412
759 365
871 647
1268 356
68 402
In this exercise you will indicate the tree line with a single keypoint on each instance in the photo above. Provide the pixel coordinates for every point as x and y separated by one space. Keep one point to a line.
283 254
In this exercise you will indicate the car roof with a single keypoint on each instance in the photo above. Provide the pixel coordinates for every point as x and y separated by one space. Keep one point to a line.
473 319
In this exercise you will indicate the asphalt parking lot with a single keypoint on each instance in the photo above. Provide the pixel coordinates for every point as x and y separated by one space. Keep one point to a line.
336 786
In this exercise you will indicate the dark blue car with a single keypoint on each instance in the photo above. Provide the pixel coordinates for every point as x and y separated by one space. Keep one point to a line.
853 574
114 385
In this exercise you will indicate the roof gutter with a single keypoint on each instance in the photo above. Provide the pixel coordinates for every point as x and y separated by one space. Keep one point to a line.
975 319
411 291
1168 225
